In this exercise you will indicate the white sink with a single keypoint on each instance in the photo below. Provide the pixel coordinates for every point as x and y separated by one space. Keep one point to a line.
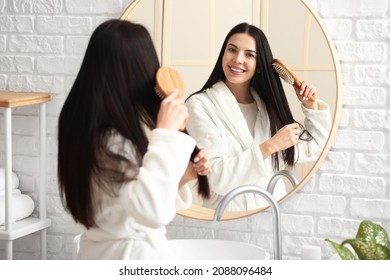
210 249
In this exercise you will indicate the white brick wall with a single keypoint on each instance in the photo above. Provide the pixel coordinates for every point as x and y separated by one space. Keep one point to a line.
41 46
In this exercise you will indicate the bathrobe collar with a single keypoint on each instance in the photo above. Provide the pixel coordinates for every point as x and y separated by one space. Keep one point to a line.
231 115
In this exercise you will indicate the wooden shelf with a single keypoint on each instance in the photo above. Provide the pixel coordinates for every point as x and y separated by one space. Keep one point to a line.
17 99
11 231
24 227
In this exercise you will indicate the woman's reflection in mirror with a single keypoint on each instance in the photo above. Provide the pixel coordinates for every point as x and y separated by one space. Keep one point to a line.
242 118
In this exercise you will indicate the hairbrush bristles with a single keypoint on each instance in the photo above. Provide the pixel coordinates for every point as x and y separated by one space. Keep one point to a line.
159 93
283 73
287 74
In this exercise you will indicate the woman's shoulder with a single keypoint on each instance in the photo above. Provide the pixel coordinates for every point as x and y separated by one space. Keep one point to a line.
198 98
204 95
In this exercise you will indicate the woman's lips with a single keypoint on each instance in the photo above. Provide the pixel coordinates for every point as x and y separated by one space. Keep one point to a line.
236 69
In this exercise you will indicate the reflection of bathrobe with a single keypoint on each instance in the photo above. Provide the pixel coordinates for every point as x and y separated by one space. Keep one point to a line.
217 124
132 225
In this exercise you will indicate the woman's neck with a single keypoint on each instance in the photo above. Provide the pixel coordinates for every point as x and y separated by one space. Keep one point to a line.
241 92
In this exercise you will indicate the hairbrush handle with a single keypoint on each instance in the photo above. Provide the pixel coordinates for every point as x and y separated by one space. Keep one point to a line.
298 84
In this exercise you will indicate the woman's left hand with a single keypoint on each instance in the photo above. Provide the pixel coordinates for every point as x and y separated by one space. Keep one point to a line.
200 166
307 94
201 163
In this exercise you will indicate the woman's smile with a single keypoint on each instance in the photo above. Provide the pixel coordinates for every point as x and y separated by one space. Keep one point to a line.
236 70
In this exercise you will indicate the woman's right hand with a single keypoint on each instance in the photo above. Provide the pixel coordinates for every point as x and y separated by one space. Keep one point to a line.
283 139
173 113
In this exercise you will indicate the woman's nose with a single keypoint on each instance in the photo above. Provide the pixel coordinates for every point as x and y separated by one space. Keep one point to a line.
239 58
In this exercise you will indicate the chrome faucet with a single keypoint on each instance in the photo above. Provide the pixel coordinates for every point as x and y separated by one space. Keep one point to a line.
275 211
282 173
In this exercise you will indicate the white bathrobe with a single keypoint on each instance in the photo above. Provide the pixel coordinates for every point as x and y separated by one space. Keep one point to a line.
132 225
217 124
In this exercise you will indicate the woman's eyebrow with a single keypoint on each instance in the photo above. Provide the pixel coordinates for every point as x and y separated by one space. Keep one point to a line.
248 50
232 45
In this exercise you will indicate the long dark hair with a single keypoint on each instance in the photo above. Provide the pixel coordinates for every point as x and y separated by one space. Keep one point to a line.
265 82
113 91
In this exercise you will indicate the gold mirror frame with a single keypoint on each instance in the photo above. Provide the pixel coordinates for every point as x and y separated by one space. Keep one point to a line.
202 213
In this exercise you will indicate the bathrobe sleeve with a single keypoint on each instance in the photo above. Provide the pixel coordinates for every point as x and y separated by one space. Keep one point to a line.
184 198
235 161
151 198
318 123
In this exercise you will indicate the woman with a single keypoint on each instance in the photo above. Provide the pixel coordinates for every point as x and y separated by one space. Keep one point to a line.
242 117
123 165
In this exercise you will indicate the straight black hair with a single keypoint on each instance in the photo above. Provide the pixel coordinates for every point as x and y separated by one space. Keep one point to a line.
113 91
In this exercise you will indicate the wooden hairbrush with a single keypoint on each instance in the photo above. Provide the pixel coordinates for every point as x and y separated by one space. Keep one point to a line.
287 74
167 81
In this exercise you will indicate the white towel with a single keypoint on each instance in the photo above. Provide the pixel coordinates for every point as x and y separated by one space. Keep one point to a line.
22 207
13 191
14 180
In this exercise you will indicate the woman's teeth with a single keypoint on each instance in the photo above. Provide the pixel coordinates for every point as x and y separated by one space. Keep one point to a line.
237 70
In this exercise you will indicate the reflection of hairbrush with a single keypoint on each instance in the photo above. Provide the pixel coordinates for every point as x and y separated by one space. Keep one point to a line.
287 74
167 81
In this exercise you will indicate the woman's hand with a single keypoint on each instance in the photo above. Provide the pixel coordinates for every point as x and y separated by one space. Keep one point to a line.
307 94
285 138
201 163
201 166
173 113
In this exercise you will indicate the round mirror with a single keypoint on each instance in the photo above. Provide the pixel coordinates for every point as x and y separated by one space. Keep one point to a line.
188 35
